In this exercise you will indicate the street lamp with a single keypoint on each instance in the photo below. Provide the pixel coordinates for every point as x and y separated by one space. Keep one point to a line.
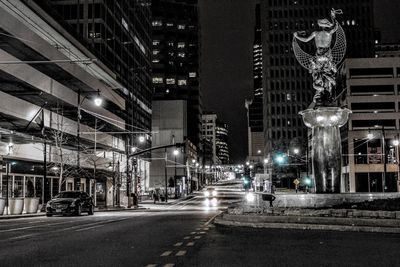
142 139
98 102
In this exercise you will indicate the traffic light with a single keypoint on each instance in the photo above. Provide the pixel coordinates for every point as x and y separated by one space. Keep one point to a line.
280 158
246 182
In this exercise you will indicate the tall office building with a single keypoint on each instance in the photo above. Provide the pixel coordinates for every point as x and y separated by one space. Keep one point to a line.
287 85
221 140
176 58
65 54
255 106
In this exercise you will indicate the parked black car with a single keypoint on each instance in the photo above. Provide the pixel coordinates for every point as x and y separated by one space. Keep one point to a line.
69 203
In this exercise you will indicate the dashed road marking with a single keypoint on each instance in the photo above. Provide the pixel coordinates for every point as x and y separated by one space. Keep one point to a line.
197 237
166 253
178 244
206 229
192 233
190 244
197 229
169 265
202 233
186 237
180 253
22 237
151 265
88 228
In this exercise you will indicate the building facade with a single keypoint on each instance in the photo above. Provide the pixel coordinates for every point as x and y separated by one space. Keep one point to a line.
63 56
255 105
175 58
221 142
371 149
216 132
287 86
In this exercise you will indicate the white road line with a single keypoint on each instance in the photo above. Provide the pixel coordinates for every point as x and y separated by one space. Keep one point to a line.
206 229
182 202
169 265
197 237
186 237
192 233
88 228
197 229
166 253
212 218
21 237
190 244
151 265
16 229
180 253
201 233
178 244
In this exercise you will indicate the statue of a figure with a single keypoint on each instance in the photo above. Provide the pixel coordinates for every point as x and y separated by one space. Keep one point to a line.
322 66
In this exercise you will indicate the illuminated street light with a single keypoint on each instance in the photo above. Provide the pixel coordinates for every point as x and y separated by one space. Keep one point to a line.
176 152
395 142
98 100
247 163
296 151
266 161
370 136
142 139
134 149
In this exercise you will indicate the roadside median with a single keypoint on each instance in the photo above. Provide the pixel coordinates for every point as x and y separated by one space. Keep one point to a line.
308 219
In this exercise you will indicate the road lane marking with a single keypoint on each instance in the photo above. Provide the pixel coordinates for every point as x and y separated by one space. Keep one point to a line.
197 229
88 228
197 237
21 237
182 202
190 244
169 265
192 233
16 229
201 233
212 218
166 253
180 253
151 265
206 229
186 237
178 244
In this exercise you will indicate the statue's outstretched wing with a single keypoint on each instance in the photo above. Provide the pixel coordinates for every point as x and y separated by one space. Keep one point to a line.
302 57
339 49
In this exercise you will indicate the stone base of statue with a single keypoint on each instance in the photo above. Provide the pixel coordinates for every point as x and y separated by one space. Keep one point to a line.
326 151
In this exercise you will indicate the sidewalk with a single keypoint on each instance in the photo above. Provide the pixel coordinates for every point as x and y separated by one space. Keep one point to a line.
106 209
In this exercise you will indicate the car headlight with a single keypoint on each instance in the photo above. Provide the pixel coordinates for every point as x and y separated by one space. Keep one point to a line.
214 193
250 197
206 194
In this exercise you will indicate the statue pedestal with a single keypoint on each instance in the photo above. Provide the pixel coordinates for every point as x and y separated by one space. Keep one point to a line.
326 151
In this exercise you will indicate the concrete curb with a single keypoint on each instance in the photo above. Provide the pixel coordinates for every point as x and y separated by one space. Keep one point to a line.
310 223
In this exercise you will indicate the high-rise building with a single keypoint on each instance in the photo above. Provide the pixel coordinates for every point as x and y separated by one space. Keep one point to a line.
287 85
216 132
176 57
221 142
65 54
255 106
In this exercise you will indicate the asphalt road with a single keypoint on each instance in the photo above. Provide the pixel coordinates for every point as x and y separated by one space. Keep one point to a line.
179 235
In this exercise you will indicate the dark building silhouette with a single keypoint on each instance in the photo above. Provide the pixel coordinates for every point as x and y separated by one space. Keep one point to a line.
287 85
255 105
176 58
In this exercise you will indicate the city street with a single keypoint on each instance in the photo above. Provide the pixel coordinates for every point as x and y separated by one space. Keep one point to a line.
181 234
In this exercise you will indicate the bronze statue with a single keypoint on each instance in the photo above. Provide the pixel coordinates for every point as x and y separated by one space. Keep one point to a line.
323 66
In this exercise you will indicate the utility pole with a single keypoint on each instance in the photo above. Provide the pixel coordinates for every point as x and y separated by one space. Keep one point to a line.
166 176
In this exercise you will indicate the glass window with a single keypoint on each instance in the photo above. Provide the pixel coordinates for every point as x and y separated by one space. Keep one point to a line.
181 45
170 81
157 23
181 26
192 74
158 80
182 82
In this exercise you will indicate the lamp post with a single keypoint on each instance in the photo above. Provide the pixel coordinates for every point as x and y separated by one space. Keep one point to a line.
98 102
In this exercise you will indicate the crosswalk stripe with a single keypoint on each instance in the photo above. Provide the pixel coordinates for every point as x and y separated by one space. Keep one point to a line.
166 253
180 253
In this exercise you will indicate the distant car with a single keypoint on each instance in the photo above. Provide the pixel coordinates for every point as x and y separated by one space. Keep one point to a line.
70 203
210 192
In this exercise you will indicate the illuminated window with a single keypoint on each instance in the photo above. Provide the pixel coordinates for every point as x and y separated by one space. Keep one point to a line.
181 54
156 42
181 45
171 44
181 26
157 23
182 82
170 24
156 52
158 80
155 60
192 74
170 81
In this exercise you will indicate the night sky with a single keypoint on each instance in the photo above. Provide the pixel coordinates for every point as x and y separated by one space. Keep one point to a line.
227 28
